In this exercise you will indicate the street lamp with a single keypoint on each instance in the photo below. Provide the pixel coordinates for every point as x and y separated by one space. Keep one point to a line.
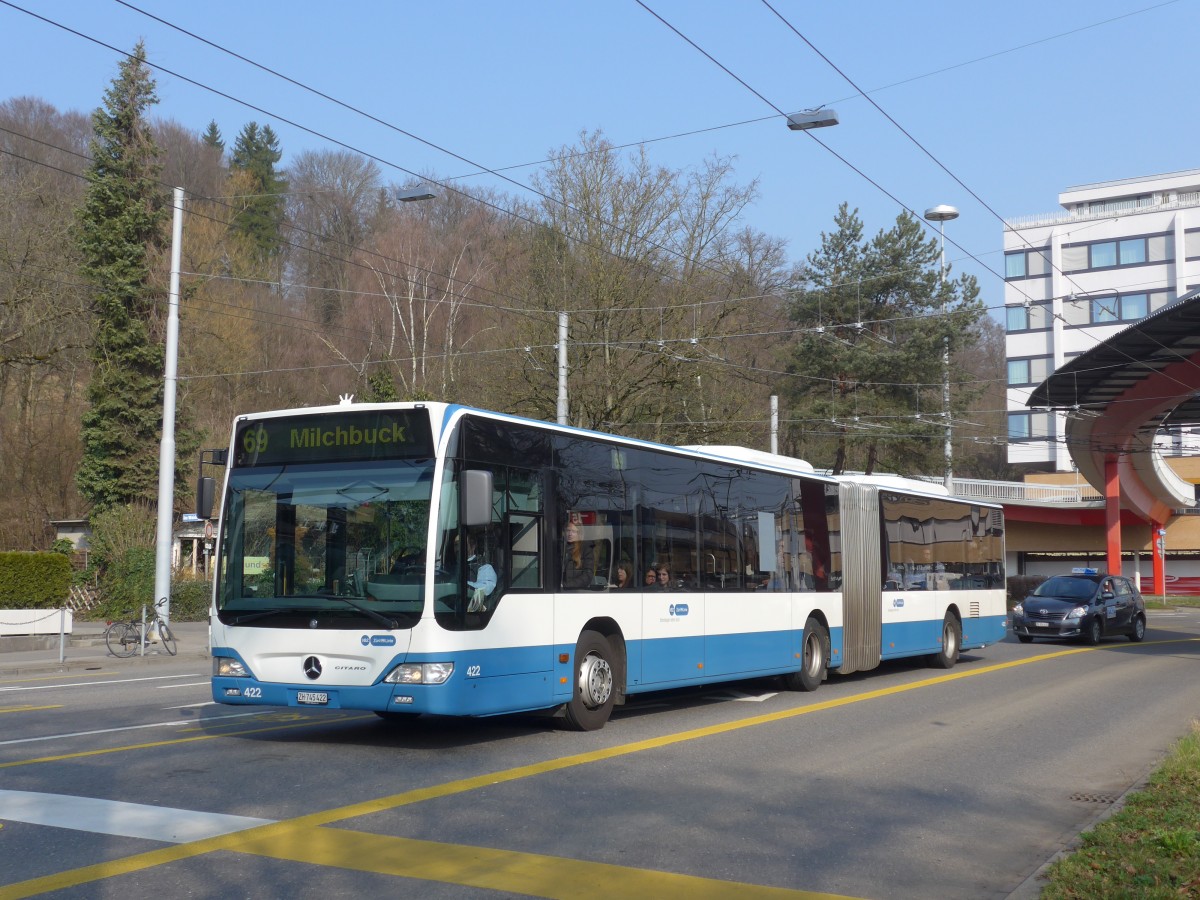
942 214
808 119
422 191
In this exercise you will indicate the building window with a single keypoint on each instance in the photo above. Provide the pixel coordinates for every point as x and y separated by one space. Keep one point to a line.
1029 370
1120 308
1132 252
1027 263
1025 426
1117 253
1027 317
1103 255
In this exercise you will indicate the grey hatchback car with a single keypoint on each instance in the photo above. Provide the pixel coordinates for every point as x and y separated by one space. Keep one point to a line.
1085 604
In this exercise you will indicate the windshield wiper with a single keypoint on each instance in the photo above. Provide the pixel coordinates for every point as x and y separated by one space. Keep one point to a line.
274 611
383 620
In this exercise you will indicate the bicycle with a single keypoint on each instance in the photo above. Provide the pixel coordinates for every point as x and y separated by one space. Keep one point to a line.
124 639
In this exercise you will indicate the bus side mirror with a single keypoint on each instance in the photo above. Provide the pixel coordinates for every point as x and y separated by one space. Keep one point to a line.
206 490
476 488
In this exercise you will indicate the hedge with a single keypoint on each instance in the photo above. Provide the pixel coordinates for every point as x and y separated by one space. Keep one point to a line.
30 580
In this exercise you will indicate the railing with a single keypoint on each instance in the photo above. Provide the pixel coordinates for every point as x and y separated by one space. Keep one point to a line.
978 489
1181 201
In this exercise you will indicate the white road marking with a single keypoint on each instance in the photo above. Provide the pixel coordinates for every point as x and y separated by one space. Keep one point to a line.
191 705
747 698
167 687
45 687
176 723
116 817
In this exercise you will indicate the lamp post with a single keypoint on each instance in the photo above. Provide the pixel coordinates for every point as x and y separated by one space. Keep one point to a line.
942 214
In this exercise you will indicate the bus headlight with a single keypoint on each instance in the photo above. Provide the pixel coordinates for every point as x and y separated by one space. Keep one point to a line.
420 673
229 667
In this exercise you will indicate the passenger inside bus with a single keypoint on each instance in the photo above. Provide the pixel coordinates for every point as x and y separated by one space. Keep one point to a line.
579 557
651 578
624 575
664 577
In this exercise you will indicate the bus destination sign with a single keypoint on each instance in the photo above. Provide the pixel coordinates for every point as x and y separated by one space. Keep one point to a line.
345 437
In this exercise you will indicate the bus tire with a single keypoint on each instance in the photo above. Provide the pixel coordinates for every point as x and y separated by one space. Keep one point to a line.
951 641
814 651
594 691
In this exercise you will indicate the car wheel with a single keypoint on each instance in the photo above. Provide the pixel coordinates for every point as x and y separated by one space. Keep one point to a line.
1139 629
1094 632
1025 638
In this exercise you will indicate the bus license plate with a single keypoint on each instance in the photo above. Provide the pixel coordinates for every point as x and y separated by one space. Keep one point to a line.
316 697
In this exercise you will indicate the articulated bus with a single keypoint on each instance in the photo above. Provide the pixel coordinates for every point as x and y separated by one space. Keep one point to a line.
409 558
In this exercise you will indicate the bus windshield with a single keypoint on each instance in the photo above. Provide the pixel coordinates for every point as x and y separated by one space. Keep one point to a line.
343 544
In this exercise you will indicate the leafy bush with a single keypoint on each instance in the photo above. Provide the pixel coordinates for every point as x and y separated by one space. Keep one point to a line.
190 598
122 544
33 580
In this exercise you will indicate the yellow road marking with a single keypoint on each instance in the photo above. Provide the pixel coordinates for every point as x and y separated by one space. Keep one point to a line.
8 709
498 870
272 840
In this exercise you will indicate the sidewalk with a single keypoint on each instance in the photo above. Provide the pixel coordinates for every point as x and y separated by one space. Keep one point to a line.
84 649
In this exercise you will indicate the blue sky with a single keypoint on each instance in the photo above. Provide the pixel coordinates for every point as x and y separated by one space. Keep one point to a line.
1017 100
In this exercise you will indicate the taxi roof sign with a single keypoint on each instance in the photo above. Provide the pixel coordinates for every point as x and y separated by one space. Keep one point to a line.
1084 570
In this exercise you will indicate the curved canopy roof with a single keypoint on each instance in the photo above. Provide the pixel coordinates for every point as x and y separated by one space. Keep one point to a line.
1118 394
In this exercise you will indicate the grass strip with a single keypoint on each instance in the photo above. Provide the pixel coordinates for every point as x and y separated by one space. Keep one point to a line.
1148 849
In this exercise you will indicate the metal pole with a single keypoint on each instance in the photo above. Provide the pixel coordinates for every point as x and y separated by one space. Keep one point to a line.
166 451
562 368
774 423
948 449
943 214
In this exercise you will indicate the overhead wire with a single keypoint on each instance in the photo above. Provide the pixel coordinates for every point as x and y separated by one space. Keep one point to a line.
348 147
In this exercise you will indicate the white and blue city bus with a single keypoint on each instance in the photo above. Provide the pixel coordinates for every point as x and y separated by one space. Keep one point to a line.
409 558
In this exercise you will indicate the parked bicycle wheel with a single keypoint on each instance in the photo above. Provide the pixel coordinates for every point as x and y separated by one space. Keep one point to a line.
167 637
121 639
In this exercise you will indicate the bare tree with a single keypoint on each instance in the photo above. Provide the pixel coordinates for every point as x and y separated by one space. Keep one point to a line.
648 263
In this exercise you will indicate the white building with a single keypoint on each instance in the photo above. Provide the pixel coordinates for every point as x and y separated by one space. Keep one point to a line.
1118 251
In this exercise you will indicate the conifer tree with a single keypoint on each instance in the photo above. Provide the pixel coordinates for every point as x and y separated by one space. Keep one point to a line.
874 317
120 226
212 137
255 154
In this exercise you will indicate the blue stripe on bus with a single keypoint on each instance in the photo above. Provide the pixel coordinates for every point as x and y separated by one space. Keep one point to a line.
520 679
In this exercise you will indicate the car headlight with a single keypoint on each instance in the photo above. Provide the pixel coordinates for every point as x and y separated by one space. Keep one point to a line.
1077 613
1018 611
420 673
229 667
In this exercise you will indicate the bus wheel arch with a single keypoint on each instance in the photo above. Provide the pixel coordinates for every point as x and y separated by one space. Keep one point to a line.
598 667
814 655
950 641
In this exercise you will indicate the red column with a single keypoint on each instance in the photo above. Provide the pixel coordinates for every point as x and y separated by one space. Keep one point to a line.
1158 555
1112 513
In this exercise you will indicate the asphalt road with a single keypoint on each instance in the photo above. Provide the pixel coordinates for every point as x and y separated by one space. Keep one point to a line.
126 781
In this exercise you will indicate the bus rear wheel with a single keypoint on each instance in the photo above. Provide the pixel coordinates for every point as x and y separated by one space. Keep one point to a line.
814 651
594 691
951 641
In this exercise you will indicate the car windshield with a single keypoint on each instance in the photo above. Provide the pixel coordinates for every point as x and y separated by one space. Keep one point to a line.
1067 587
336 540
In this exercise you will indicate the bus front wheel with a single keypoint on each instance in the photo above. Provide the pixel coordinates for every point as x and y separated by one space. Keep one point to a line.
951 641
594 691
814 651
